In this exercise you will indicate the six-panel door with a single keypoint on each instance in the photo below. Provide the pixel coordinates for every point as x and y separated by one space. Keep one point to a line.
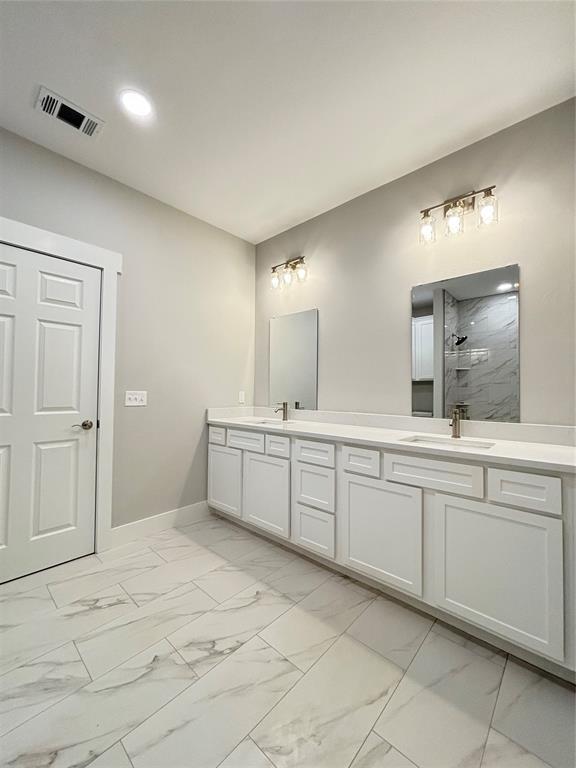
225 479
501 569
266 495
381 531
49 336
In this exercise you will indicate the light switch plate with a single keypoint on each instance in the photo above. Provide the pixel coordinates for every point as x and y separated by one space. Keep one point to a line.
136 398
241 397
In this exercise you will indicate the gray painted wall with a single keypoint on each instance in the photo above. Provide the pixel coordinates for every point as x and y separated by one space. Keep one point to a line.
185 324
364 257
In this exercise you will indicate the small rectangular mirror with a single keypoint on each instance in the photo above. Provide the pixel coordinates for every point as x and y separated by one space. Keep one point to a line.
294 359
465 346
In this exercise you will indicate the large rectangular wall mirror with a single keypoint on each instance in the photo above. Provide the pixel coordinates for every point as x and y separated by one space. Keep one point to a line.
465 346
294 359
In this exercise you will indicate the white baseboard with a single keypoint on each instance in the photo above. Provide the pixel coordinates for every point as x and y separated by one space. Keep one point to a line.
124 534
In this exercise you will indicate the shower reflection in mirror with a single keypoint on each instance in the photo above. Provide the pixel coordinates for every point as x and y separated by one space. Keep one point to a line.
465 346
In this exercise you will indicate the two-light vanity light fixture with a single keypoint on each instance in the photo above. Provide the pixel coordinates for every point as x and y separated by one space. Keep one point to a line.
454 210
289 272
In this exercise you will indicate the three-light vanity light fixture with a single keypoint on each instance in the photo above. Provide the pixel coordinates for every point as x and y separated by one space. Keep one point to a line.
289 272
454 210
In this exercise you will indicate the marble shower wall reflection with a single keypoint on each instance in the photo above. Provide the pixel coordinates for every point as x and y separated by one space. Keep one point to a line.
483 372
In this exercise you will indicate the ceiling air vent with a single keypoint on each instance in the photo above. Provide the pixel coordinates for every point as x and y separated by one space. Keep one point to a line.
71 114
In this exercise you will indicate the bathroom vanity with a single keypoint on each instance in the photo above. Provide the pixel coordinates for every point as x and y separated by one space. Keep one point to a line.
479 532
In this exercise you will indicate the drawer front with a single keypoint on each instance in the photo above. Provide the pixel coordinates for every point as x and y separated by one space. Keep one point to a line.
247 441
521 489
363 461
276 445
217 435
313 530
463 479
314 453
314 486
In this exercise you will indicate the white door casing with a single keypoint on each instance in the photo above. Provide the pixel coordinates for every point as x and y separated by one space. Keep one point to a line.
49 346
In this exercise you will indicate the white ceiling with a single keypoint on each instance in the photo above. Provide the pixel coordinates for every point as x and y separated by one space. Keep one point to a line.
270 113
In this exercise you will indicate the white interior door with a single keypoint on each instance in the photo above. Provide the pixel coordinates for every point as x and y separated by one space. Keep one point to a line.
49 334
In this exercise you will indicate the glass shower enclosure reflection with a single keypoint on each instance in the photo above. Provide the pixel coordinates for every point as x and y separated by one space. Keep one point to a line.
465 346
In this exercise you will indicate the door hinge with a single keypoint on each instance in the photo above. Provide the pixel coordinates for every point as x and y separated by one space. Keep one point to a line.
97 423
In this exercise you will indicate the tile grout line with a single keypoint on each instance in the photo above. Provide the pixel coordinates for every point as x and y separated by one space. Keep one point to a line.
483 753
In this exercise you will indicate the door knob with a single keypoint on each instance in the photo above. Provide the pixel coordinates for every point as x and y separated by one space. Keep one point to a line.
86 424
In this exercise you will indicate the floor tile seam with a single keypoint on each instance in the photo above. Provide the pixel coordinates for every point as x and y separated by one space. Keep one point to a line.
98 589
520 746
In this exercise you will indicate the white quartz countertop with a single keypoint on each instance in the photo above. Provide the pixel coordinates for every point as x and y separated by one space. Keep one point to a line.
542 456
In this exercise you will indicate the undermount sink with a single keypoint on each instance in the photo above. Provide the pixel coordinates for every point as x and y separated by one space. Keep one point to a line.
450 442
256 420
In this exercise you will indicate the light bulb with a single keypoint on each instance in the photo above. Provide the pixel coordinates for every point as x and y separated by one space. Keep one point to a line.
301 271
505 287
487 209
455 220
287 275
275 280
427 228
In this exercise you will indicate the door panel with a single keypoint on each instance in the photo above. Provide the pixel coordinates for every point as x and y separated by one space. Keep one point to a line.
266 499
225 479
49 337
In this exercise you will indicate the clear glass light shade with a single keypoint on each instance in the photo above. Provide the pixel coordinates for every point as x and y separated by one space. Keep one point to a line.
427 229
455 220
301 271
275 279
287 275
487 210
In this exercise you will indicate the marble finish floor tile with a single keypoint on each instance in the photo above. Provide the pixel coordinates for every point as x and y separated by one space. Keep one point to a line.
208 640
208 720
394 631
115 757
19 608
154 583
117 553
33 687
308 629
502 752
324 719
84 725
113 643
247 755
48 575
298 578
482 649
233 577
69 589
51 630
538 714
439 716
377 753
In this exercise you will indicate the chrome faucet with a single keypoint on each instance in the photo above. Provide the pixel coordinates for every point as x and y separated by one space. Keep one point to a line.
284 409
457 412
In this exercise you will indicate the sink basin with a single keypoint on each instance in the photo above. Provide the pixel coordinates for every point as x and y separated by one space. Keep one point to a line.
255 420
449 442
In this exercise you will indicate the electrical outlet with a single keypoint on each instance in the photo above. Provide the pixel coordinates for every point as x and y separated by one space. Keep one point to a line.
136 398
241 397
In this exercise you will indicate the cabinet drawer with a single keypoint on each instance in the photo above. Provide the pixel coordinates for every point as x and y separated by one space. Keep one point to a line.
247 441
314 486
314 453
363 461
521 489
463 479
313 530
502 570
276 445
217 435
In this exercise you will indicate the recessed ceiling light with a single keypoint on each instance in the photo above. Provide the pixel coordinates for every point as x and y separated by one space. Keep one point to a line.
136 103
504 287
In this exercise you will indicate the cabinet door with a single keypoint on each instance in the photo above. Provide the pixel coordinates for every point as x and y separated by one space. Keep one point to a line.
313 529
382 531
423 348
502 569
225 479
267 493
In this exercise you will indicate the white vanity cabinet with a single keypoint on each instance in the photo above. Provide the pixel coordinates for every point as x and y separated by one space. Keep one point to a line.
502 570
381 531
266 493
225 479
